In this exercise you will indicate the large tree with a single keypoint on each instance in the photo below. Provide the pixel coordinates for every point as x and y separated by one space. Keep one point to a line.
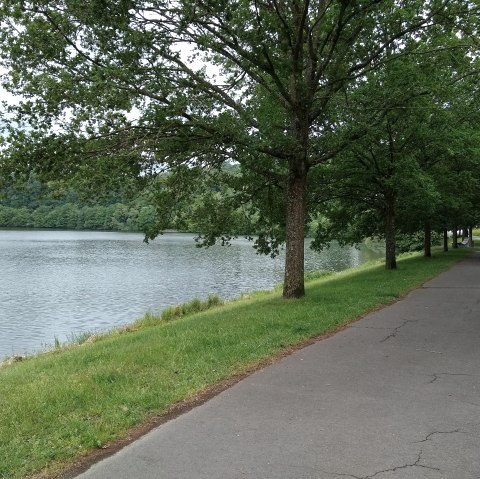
170 84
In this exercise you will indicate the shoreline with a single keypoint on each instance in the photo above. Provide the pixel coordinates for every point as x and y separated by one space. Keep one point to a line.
66 284
80 402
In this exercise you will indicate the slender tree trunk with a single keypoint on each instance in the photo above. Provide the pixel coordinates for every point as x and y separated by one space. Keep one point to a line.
464 233
427 249
470 237
455 237
390 246
445 240
293 286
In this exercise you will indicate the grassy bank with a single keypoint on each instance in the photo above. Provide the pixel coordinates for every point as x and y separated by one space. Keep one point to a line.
57 406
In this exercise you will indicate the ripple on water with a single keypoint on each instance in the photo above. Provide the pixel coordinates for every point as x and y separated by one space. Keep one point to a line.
56 283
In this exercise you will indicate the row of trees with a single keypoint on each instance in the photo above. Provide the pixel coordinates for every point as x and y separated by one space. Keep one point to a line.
116 217
418 169
356 113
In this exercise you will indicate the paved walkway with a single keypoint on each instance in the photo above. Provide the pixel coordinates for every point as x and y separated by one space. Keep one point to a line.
396 395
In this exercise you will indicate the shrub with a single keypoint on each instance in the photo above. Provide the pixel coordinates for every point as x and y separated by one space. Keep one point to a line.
415 241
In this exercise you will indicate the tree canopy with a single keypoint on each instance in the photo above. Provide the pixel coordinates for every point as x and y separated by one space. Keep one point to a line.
401 177
128 89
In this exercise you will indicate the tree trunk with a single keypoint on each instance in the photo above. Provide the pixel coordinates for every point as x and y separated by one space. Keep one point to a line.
427 249
390 246
293 286
455 237
470 237
445 240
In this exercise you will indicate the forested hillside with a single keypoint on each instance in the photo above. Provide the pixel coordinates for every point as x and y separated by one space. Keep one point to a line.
35 206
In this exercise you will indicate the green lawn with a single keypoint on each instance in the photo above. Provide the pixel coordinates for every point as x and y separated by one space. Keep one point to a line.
57 406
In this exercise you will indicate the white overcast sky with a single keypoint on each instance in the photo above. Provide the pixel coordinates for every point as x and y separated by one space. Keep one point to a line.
4 95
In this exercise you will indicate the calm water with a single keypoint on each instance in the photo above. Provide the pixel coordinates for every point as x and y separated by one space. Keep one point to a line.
59 283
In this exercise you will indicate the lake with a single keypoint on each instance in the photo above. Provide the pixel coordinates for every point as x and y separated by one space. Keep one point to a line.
56 284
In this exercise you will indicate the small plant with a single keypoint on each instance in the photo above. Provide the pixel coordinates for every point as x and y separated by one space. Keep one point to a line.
214 300
311 275
194 306
172 312
80 338
148 319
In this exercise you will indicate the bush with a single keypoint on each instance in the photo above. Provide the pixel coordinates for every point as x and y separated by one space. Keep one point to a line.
415 241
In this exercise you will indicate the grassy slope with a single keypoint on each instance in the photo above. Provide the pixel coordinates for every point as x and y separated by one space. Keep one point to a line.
57 406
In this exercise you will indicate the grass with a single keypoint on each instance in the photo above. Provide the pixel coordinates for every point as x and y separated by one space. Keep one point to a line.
57 406
173 312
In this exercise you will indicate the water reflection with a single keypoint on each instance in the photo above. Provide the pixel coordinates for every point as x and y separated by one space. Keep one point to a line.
55 283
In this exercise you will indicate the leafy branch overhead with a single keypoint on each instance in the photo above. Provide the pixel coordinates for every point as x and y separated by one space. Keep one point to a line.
272 85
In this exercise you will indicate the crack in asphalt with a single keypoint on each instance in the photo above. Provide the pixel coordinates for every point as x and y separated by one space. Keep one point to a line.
436 376
398 328
428 436
393 469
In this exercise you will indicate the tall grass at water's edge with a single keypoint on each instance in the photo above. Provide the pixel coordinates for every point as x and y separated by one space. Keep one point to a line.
55 407
148 319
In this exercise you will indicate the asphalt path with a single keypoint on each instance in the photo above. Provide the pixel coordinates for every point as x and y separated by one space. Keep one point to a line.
395 395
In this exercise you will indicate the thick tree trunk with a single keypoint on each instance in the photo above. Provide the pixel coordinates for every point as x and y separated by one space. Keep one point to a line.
455 237
390 246
293 286
427 247
445 240
470 237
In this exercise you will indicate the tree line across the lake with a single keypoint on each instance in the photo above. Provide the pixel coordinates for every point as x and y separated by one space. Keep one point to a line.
36 205
346 119
32 205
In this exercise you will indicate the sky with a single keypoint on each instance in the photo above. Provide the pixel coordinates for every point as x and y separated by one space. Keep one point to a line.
6 96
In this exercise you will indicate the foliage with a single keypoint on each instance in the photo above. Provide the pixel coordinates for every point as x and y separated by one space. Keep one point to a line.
34 205
415 241
208 206
117 94
417 168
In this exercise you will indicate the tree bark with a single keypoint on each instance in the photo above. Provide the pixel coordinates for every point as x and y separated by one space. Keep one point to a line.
427 249
390 246
470 237
293 286
455 237
445 241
